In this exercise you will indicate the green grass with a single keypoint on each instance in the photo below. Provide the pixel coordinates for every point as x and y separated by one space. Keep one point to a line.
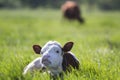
96 43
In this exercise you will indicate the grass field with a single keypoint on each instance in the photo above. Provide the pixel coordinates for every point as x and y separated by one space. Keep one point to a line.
96 43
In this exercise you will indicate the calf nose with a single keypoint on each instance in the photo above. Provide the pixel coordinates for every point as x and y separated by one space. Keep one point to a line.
45 57
45 60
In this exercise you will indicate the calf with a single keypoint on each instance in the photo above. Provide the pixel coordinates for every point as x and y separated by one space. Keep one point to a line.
71 11
55 58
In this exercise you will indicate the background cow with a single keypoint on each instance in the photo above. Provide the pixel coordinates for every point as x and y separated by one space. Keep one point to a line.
71 11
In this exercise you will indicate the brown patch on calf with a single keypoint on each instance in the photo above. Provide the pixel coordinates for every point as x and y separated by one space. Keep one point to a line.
69 62
68 59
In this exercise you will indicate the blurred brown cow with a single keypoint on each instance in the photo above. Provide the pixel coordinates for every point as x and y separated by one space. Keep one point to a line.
71 11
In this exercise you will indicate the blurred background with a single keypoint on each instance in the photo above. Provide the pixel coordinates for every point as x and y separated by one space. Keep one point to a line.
101 4
27 22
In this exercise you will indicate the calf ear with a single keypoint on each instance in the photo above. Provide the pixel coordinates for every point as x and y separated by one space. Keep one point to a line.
37 49
68 46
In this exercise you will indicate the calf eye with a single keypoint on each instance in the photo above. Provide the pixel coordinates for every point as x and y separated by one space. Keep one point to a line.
57 51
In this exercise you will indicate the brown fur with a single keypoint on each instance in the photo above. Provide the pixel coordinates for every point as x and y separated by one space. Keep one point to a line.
69 61
71 11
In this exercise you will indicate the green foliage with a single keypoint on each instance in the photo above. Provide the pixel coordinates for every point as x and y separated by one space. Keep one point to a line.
109 4
102 4
97 42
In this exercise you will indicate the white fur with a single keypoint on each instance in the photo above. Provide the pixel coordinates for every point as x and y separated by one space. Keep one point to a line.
54 51
48 44
34 65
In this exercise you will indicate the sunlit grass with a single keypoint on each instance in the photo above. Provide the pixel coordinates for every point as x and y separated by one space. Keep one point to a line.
96 43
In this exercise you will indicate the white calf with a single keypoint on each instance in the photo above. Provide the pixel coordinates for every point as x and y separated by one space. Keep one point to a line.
55 58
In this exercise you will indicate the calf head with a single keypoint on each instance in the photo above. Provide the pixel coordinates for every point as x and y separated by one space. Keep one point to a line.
52 53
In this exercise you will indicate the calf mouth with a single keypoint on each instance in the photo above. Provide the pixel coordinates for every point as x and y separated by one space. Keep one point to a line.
46 62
